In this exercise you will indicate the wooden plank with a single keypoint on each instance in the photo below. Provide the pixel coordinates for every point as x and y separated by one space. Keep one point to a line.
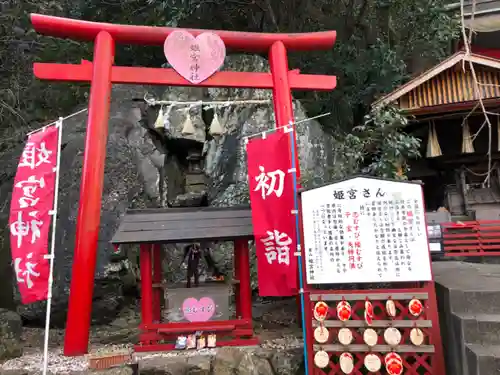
128 226
185 209
173 236
377 348
196 326
370 296
187 216
207 327
169 77
68 28
376 323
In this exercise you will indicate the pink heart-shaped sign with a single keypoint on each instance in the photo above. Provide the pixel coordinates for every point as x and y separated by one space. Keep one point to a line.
198 311
195 59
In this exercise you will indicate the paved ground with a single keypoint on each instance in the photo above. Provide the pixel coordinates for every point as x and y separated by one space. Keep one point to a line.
467 276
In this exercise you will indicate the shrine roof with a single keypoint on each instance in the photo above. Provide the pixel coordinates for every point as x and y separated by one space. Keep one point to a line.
447 84
178 225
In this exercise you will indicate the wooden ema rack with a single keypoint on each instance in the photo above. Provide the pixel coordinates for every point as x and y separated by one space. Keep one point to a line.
424 359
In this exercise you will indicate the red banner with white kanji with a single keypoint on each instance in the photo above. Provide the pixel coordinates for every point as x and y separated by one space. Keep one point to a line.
30 213
270 181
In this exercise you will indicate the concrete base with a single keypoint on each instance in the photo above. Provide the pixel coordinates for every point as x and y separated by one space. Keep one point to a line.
469 306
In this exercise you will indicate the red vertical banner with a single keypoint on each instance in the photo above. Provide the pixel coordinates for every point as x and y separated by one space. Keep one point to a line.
30 213
270 183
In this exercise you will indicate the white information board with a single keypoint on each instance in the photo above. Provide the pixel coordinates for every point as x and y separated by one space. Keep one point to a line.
365 230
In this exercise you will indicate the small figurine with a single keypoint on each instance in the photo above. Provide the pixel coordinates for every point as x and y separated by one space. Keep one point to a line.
192 256
212 340
201 344
191 342
180 343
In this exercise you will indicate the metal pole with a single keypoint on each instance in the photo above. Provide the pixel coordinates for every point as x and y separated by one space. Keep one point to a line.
52 249
89 211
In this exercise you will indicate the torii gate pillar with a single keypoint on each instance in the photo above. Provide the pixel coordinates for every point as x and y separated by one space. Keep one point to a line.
102 74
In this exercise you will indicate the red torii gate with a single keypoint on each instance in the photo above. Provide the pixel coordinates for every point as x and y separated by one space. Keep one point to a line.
102 73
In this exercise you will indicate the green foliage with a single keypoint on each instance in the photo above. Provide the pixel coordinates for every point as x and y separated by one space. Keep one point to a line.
25 101
374 148
379 43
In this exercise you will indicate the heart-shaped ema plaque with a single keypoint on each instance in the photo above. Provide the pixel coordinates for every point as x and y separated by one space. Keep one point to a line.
195 59
198 311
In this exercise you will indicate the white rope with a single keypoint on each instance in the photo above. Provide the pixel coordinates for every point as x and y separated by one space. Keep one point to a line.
221 103
60 119
291 124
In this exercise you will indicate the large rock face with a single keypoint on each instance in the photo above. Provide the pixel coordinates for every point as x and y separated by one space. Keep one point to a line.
10 335
147 167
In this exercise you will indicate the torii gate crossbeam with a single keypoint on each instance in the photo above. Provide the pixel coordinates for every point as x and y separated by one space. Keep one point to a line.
102 74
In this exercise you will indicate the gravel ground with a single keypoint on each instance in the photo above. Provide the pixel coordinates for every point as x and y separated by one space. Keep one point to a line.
274 324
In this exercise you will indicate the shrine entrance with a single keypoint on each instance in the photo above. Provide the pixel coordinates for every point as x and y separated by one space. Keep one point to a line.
102 73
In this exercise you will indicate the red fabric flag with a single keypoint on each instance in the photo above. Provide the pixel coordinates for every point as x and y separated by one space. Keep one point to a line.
30 213
270 181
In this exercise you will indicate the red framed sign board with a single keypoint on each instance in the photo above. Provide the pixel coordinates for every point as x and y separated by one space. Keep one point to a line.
371 302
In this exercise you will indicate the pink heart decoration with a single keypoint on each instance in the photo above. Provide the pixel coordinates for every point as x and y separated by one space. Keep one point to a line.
198 311
195 59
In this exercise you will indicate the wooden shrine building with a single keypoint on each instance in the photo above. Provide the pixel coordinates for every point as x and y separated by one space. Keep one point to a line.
152 228
442 106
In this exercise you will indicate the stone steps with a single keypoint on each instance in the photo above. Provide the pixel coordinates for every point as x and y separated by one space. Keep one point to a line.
475 301
478 328
469 306
483 359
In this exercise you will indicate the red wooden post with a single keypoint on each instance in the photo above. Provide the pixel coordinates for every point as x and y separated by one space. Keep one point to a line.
145 256
283 109
236 275
89 211
157 279
245 287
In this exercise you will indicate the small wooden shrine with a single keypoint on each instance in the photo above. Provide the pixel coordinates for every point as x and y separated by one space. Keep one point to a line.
444 112
188 311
